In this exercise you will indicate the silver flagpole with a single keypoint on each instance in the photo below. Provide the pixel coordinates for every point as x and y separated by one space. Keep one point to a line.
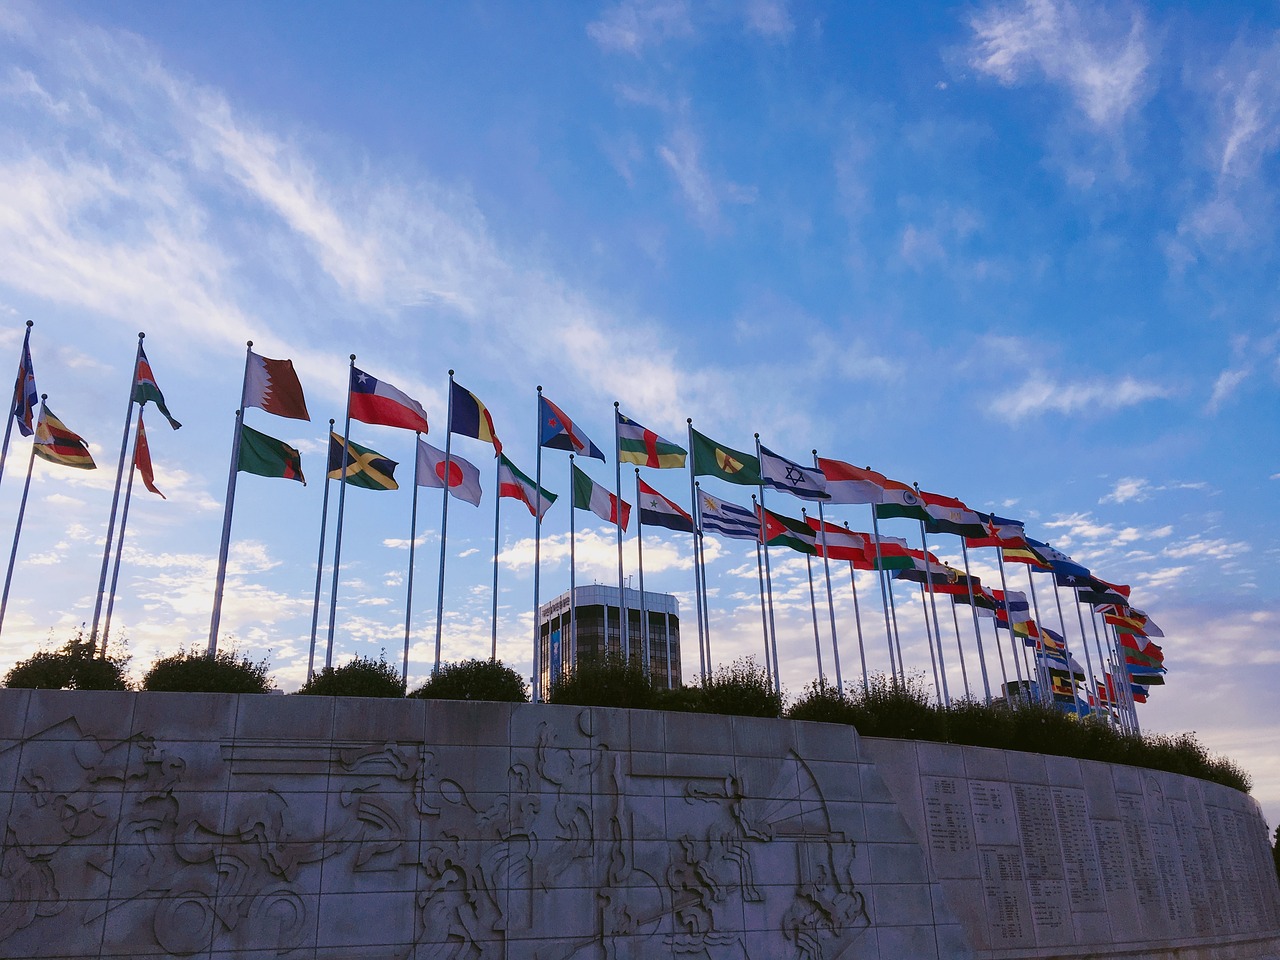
337 534
573 578
706 600
1046 694
444 522
831 603
857 617
977 630
124 520
764 617
813 609
17 529
324 522
644 635
941 666
537 559
115 497
17 394
697 553
964 674
497 518
624 621
885 595
1013 640
928 632
1133 704
224 544
1066 646
1084 642
413 539
768 579
1093 622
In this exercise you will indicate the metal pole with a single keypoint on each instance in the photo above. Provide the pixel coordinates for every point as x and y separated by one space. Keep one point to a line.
644 636
573 578
337 535
124 520
17 530
977 630
1046 694
885 595
224 545
764 617
768 583
413 540
706 600
444 523
697 574
497 517
624 622
324 522
537 560
1066 647
857 619
831 603
941 666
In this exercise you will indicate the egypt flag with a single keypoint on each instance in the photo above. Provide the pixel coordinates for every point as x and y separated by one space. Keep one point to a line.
142 460
657 511
514 484
144 388
271 385
637 444
55 443
589 495
376 401
949 515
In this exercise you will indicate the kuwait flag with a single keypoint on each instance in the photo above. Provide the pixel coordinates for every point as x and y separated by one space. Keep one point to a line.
657 511
637 444
271 385
464 478
145 388
375 401
589 495
514 484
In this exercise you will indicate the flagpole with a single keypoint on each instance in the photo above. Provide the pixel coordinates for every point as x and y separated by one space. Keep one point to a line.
17 529
573 579
644 637
20 386
813 609
337 534
701 569
697 573
977 630
324 522
1046 695
857 618
885 593
115 497
444 522
233 471
1066 646
1133 704
764 618
941 665
1084 642
124 520
831 603
964 674
768 579
537 560
413 540
624 622
497 518
1008 610
1097 642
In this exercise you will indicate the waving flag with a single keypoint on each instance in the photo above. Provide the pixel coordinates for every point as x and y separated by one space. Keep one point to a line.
469 417
145 388
514 484
376 401
266 456
1025 554
273 386
849 484
657 511
25 396
893 554
842 543
142 460
55 443
711 459
637 444
780 531
364 467
900 500
999 532
589 495
1066 571
807 483
949 515
464 478
727 519
560 433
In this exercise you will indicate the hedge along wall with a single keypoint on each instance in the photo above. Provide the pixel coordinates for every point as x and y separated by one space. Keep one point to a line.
145 824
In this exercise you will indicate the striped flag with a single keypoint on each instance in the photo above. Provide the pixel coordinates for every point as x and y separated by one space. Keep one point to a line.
638 444
657 511
55 443
514 484
589 495
468 417
142 460
145 388
727 519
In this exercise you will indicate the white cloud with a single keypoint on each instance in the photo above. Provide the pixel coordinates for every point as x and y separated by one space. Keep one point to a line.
1139 489
1040 394
632 25
769 18
682 154
1210 549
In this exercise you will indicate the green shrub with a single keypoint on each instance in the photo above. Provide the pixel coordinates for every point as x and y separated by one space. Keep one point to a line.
71 667
358 677
679 699
825 704
194 671
475 680
608 681
742 688
890 707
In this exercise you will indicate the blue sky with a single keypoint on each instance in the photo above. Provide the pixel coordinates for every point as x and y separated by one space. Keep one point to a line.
1021 253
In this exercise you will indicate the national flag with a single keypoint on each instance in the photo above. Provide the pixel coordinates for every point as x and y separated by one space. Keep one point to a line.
711 459
55 443
1141 659
589 495
268 457
514 484
780 531
1060 684
900 500
376 401
849 484
464 478
779 473
1145 676
638 444
943 577
841 542
272 385
983 598
726 519
364 467
560 433
893 554
1025 554
142 460
1098 598
1066 572
1000 532
1012 606
1052 640
657 511
469 417
145 388
25 396
1029 631
949 515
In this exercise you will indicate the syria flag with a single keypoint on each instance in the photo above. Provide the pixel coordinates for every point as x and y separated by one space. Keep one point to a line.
376 401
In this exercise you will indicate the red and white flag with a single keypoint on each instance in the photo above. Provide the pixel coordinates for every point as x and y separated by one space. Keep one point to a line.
271 385
464 478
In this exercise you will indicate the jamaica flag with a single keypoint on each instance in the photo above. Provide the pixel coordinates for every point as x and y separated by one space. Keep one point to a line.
365 468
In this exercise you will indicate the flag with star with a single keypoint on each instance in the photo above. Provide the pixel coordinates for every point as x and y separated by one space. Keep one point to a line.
657 511
779 473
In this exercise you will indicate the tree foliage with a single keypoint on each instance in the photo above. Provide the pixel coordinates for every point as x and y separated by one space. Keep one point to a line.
475 680
358 677
608 681
72 666
195 671
742 688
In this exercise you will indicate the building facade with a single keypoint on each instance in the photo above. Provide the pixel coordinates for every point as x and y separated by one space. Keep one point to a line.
594 618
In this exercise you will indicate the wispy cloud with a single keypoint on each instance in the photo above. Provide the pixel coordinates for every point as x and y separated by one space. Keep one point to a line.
1041 394
633 25
1139 489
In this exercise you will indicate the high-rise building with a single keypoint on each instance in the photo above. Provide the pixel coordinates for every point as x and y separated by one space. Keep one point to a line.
595 616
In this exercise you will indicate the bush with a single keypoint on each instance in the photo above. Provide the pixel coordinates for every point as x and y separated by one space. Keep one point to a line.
608 681
71 667
679 699
742 688
475 680
825 704
194 671
359 677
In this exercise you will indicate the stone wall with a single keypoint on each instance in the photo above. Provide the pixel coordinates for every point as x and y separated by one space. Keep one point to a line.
145 824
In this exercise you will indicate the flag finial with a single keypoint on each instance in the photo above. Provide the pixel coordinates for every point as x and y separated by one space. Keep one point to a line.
451 373
353 358
31 323
141 335
248 343
332 422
